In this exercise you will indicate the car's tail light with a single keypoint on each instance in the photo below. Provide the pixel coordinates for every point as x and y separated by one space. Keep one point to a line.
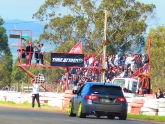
91 97
121 99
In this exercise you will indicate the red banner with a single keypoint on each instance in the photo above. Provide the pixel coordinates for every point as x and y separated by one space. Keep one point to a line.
77 48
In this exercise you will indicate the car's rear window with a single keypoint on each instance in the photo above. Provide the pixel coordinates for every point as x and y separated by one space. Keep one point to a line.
106 90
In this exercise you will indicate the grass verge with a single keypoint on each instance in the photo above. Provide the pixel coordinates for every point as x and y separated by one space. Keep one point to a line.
147 117
28 105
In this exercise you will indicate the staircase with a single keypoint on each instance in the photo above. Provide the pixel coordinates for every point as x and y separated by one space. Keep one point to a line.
46 87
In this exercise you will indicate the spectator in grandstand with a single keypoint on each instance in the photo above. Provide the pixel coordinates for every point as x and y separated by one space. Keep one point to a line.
79 86
159 94
136 60
75 81
110 61
116 61
132 62
91 61
106 62
127 61
86 72
116 71
145 63
129 72
120 69
139 61
95 79
122 60
124 74
96 62
110 74
42 51
78 71
86 60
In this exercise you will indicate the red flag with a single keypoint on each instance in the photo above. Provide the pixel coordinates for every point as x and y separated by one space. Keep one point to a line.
77 48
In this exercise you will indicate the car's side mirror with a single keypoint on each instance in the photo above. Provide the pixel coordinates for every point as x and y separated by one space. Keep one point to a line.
75 91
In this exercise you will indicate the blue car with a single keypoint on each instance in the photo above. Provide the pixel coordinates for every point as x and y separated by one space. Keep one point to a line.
99 99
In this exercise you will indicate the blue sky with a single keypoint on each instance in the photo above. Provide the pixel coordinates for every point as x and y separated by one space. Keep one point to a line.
24 9
159 11
19 9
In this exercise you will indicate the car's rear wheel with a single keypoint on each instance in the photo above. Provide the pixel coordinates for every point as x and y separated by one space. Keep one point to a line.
79 113
111 116
70 110
122 117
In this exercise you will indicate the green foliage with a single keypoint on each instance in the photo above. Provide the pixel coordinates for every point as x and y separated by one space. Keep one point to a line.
157 57
126 22
7 102
18 76
5 57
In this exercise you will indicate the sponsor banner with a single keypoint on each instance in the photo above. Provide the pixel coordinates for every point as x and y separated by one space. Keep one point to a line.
67 60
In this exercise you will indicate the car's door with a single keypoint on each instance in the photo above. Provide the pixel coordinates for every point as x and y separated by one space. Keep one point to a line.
79 96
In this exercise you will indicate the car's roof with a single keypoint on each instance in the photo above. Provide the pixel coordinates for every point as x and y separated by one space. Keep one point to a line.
101 84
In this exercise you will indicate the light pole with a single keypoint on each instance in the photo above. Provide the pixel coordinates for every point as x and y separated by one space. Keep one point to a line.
104 48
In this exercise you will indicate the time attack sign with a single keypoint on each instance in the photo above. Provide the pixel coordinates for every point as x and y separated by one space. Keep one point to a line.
67 59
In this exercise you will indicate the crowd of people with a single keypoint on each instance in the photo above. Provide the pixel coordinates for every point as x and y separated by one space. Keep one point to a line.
27 53
116 66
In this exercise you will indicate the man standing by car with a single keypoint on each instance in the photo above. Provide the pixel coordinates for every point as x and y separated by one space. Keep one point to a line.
35 92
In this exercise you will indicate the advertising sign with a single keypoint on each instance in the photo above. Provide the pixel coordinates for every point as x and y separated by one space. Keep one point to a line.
67 60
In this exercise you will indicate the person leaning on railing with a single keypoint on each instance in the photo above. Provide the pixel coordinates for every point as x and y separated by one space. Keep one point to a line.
159 94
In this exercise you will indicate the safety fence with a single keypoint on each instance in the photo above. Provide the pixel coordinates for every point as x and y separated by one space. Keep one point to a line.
147 104
46 98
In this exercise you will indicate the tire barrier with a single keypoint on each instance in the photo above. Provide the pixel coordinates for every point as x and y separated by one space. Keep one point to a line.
68 95
136 105
146 106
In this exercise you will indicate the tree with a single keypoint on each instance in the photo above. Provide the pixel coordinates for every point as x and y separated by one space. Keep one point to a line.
5 57
18 75
84 21
157 59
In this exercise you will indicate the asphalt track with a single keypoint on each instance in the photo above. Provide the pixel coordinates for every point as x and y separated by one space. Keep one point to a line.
27 115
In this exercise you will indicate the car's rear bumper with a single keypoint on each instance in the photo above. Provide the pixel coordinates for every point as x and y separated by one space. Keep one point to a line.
90 108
